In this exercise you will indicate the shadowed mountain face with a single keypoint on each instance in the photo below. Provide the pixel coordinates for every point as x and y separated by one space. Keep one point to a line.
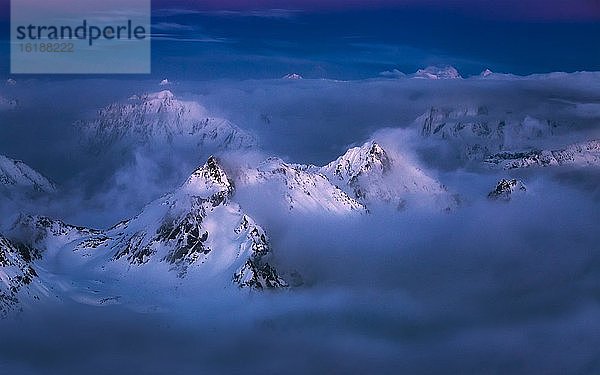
18 277
506 189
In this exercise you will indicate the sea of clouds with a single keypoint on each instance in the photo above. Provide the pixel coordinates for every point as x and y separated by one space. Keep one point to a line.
490 288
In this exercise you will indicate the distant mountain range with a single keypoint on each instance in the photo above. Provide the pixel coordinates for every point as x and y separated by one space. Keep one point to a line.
580 154
158 120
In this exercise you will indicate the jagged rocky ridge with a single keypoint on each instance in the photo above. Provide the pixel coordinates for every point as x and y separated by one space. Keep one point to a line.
477 134
430 73
160 119
579 154
18 277
371 175
506 189
197 229
293 76
16 176
437 72
298 188
362 178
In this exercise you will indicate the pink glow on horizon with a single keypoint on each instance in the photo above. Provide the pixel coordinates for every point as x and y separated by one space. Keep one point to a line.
520 10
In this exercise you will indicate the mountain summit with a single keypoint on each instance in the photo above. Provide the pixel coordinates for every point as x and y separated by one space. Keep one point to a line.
197 235
372 175
438 72
160 119
16 176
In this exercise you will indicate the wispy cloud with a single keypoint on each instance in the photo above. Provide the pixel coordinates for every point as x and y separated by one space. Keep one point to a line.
258 13
189 38
171 12
263 13
172 26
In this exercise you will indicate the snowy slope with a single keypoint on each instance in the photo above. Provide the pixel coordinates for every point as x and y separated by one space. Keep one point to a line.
48 234
18 176
296 188
363 177
580 155
160 119
18 278
373 176
195 232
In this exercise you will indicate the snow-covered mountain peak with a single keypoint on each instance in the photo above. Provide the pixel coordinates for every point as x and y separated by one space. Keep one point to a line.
165 101
159 119
17 176
486 73
368 157
293 187
373 175
271 163
438 72
208 180
293 76
197 232
161 95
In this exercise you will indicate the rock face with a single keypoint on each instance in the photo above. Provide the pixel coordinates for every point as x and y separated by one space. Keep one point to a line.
196 230
437 72
506 189
18 278
371 176
16 176
160 119
477 135
579 154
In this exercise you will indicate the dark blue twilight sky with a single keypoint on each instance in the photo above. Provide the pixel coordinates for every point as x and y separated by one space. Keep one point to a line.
355 39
